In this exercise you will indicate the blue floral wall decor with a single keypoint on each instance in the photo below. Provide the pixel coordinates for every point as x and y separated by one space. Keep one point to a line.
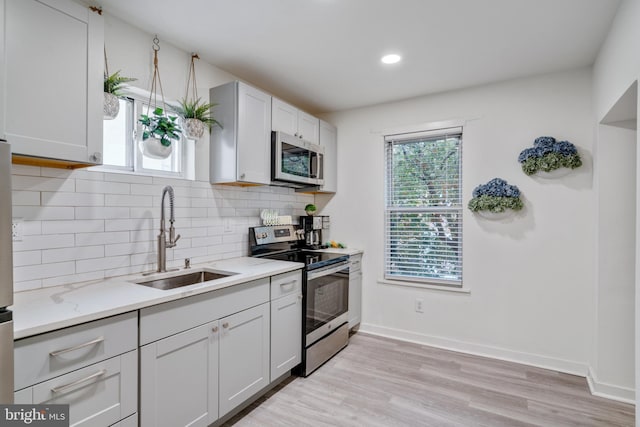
495 196
547 154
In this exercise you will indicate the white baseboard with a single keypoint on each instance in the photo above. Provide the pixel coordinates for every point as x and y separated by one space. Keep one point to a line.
609 391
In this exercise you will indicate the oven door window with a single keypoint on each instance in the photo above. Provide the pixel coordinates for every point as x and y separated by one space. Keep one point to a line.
327 298
295 160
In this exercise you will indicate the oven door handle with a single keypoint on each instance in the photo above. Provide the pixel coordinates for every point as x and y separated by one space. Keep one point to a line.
314 274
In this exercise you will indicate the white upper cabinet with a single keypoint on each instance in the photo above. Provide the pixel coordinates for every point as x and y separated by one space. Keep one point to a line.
329 140
241 150
51 69
287 118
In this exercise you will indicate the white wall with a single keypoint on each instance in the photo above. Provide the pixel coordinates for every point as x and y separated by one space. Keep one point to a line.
613 366
86 225
532 277
616 68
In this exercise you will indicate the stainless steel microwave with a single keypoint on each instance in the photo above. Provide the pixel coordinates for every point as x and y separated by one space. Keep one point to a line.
296 161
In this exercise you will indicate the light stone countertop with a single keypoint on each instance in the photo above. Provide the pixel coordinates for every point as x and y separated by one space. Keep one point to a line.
47 309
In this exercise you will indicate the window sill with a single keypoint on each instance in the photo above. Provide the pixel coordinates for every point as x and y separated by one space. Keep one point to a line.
462 290
159 174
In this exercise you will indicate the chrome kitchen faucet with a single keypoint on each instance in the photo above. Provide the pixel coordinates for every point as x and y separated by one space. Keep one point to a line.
163 243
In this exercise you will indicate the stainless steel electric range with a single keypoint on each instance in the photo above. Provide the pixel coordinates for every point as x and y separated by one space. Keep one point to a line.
325 291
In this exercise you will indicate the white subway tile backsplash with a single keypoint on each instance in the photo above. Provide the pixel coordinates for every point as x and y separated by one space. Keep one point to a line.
128 200
101 264
90 239
26 285
76 226
37 183
72 254
30 243
27 258
72 199
101 212
101 187
42 213
42 271
88 224
25 198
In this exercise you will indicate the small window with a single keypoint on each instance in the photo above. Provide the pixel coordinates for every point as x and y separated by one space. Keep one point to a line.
121 145
423 218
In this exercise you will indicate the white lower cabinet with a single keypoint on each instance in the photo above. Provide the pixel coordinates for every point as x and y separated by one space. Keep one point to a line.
286 334
244 356
98 395
355 290
179 379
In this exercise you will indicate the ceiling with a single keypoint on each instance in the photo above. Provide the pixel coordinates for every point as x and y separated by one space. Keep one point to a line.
324 55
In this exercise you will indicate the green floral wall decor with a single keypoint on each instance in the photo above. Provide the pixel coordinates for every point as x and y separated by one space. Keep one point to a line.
495 196
547 155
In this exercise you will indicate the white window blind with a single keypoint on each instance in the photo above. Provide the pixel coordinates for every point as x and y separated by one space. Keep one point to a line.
423 218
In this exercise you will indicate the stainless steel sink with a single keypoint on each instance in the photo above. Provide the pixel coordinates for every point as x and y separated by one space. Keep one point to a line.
185 279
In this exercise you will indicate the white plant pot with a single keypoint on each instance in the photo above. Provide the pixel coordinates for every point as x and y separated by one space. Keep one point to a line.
153 148
110 106
193 128
494 216
556 173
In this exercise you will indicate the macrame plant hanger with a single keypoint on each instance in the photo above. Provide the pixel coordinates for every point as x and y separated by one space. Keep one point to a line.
193 127
155 80
151 145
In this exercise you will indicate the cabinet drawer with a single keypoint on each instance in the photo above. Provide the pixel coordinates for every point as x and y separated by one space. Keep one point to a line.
98 395
170 318
355 263
286 284
49 355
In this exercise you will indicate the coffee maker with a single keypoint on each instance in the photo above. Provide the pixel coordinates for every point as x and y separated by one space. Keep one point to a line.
312 227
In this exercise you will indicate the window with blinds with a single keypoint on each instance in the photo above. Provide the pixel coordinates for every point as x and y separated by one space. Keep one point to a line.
423 218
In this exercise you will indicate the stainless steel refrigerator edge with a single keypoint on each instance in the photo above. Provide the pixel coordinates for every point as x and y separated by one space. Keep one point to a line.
6 277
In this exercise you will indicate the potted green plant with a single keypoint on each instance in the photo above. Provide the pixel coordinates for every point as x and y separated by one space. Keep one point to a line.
159 131
197 115
310 209
112 86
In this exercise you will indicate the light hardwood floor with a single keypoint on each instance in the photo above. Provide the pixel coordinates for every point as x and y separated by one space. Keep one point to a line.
381 382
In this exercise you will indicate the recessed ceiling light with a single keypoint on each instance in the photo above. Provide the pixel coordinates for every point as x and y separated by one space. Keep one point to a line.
391 59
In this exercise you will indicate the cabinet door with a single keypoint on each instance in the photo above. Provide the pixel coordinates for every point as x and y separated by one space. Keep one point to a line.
355 298
286 334
284 117
329 140
98 395
179 379
308 127
254 135
52 78
244 356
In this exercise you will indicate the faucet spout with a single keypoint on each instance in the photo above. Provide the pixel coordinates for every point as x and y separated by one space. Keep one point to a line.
163 244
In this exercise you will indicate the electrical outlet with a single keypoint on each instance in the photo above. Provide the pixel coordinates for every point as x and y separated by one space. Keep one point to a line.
419 305
228 228
16 230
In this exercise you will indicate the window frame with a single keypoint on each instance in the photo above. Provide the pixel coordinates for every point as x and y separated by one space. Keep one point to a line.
139 99
404 137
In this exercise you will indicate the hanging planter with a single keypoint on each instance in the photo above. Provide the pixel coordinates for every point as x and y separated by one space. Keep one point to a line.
197 114
495 199
113 84
549 158
159 129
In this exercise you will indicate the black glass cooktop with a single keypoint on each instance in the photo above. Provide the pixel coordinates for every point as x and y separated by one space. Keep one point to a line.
312 260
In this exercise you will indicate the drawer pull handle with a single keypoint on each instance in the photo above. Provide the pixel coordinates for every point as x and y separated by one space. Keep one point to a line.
77 347
288 285
62 388
215 329
225 325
